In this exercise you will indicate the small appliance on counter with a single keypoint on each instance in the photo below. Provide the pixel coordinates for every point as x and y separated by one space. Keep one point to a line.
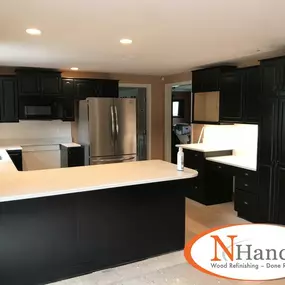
181 134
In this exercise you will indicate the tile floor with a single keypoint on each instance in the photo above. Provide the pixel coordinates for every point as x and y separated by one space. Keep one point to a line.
171 268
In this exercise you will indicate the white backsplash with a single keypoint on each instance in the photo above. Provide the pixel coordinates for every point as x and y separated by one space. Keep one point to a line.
35 133
242 137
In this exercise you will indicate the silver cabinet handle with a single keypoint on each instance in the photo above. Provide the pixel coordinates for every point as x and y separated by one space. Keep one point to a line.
246 174
219 167
196 154
117 124
245 185
113 123
246 203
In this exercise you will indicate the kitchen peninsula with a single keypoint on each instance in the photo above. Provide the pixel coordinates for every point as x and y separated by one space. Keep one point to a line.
60 223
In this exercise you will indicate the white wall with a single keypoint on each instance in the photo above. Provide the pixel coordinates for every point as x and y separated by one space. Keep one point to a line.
243 138
35 133
40 141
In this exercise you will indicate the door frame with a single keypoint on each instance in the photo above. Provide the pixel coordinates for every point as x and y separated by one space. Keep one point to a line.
168 117
148 111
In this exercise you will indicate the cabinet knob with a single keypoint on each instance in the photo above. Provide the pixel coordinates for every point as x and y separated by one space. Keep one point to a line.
246 203
196 154
246 174
246 185
196 187
219 167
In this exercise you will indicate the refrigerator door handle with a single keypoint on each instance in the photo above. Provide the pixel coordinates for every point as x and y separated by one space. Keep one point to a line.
113 122
117 122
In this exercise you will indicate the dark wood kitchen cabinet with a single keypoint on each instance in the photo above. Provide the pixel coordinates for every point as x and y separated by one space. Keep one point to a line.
68 103
39 82
96 88
8 99
87 88
72 156
239 95
231 97
210 176
208 79
271 152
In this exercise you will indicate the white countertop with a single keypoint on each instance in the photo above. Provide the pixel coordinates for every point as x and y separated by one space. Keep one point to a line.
18 185
204 147
71 144
244 162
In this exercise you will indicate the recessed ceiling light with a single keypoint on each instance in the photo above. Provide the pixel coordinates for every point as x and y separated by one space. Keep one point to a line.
126 41
74 68
33 32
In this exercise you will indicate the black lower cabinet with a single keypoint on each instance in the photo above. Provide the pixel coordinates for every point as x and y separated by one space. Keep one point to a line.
47 239
16 157
245 204
72 156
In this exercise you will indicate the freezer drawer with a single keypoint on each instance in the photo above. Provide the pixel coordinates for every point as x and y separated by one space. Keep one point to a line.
112 159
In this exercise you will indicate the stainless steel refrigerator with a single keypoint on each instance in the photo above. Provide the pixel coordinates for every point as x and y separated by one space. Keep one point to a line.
107 128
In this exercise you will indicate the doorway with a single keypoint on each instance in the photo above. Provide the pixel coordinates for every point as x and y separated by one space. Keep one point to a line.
140 94
181 110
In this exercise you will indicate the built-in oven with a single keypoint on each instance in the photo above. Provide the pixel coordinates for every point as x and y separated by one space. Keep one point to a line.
38 108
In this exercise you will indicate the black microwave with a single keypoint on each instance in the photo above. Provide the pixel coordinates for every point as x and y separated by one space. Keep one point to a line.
34 108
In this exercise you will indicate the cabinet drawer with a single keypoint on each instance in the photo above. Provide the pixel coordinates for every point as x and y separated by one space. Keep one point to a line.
194 159
246 205
247 174
246 184
223 168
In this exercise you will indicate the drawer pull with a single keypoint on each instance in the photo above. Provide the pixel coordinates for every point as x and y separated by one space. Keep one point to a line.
246 203
246 185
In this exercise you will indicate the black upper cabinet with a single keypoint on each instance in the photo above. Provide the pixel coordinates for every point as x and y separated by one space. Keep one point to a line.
95 88
273 77
50 83
8 99
84 88
231 97
207 80
279 210
68 90
37 83
239 95
251 89
110 88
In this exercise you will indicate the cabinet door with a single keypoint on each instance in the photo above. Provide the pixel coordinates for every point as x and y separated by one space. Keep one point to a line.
75 156
269 79
68 89
110 88
265 192
280 201
68 110
267 131
231 97
83 88
197 82
51 83
281 133
251 93
211 80
8 100
29 83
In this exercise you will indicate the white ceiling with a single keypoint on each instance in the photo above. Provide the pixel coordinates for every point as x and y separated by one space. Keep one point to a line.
169 36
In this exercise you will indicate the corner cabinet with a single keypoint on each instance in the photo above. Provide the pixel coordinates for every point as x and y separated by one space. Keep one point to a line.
8 99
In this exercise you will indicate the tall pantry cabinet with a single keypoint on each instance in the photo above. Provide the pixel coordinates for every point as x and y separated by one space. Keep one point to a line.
271 145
